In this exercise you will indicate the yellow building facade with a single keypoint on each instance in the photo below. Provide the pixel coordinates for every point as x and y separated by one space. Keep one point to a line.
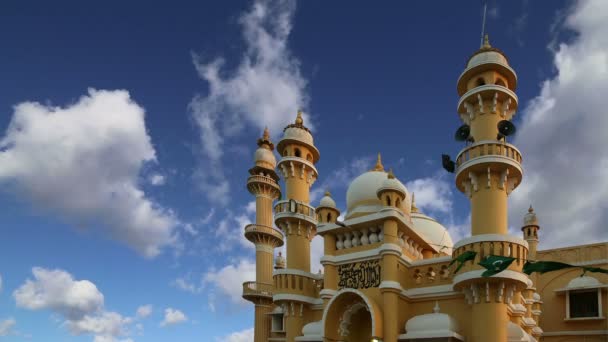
388 272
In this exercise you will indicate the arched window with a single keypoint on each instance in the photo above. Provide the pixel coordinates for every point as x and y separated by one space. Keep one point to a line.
398 203
285 153
298 153
308 157
500 82
480 81
388 201
328 217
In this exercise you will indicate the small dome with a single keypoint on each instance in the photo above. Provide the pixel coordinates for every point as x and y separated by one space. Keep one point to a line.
584 281
435 233
361 196
279 261
299 134
437 323
265 158
327 201
530 218
392 184
536 296
312 329
489 56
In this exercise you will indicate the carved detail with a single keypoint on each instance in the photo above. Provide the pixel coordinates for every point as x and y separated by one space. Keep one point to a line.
480 100
470 110
494 102
473 179
505 107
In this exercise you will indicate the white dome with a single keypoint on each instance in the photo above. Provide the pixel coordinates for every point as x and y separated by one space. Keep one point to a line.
435 233
312 329
530 218
438 323
487 57
299 134
361 196
584 281
327 201
264 155
392 184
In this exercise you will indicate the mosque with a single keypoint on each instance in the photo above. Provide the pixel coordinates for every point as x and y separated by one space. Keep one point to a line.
388 271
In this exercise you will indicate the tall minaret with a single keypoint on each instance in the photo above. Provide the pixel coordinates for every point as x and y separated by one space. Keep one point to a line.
487 171
298 221
263 185
530 230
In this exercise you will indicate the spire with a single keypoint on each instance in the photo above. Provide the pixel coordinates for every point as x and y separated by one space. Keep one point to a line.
266 133
299 119
265 140
379 166
486 42
327 193
530 210
414 207
391 175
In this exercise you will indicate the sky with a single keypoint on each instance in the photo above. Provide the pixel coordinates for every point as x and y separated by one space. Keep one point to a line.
127 129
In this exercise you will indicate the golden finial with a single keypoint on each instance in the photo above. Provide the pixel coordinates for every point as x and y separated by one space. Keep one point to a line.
327 193
266 135
486 42
414 207
391 175
299 119
379 166
530 210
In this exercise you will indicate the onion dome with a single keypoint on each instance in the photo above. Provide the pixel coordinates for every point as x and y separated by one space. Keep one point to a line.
392 184
264 157
313 329
327 201
435 233
361 196
530 218
279 261
583 282
435 325
299 134
487 58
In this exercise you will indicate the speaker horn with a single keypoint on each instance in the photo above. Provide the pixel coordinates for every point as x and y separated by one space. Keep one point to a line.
462 133
505 129
447 163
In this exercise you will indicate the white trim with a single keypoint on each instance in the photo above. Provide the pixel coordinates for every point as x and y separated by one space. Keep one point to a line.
486 87
299 160
389 284
310 338
430 334
390 248
491 238
490 158
517 309
351 257
327 293
430 291
476 274
264 248
576 333
295 297
436 260
293 271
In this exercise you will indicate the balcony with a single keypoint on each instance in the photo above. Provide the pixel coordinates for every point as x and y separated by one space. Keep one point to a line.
294 209
479 156
258 233
261 184
253 290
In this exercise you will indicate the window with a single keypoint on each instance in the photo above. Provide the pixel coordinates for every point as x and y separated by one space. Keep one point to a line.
298 153
480 82
500 82
277 323
584 303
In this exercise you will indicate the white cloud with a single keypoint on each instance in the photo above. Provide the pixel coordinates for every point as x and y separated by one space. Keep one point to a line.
57 290
563 137
6 326
266 89
186 285
341 177
78 301
144 311
433 194
172 317
316 252
157 179
229 280
239 336
83 161
0 283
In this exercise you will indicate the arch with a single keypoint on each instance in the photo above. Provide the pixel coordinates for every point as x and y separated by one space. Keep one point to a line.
500 82
297 152
328 217
388 200
480 81
345 304
309 157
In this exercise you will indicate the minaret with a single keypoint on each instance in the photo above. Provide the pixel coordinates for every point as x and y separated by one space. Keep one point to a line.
487 171
530 230
298 221
263 185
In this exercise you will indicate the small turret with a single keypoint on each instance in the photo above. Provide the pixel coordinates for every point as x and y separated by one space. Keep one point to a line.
530 230
279 262
391 193
327 212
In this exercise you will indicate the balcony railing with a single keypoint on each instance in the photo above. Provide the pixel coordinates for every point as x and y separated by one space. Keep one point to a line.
293 208
488 148
266 230
254 289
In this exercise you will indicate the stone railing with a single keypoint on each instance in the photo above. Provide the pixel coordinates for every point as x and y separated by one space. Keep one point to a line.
508 247
253 228
254 289
293 208
298 284
488 148
431 274
359 237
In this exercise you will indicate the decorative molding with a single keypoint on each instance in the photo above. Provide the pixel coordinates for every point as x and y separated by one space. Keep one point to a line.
494 101
480 101
292 271
297 298
491 238
473 178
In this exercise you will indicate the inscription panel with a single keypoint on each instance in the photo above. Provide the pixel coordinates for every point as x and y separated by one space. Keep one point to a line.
360 275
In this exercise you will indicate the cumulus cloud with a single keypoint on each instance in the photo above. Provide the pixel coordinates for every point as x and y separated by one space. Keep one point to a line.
238 336
6 326
157 179
265 89
83 162
172 317
144 311
340 178
78 301
563 136
229 280
433 194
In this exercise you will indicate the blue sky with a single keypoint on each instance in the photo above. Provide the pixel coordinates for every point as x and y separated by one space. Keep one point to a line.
127 129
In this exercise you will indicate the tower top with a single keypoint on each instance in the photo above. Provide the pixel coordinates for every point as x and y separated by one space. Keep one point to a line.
379 166
265 140
530 218
414 207
299 119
